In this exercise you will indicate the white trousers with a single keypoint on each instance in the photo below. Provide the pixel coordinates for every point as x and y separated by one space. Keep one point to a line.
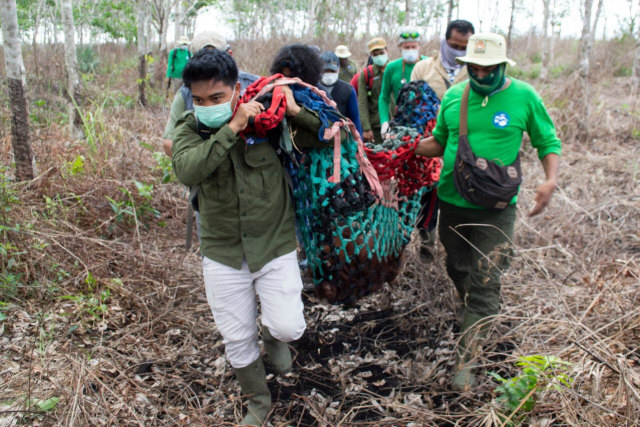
231 294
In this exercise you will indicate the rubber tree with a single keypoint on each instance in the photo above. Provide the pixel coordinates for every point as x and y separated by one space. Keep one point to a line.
514 5
141 22
586 45
636 61
71 65
22 153
546 45
451 4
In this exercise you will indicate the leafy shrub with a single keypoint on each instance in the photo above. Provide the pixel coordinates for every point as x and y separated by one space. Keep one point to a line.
622 72
536 57
88 59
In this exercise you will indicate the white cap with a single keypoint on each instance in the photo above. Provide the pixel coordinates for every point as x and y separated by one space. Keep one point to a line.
209 38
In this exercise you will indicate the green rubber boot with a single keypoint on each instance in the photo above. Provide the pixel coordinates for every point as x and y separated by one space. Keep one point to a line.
278 351
253 383
473 333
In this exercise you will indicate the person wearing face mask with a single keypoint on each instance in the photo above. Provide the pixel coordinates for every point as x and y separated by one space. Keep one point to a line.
178 58
479 134
369 87
441 70
348 68
183 101
398 72
340 91
247 222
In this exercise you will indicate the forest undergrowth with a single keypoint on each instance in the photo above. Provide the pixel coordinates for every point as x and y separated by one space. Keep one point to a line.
104 321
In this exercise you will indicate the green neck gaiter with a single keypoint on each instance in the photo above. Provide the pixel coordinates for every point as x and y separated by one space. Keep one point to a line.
489 84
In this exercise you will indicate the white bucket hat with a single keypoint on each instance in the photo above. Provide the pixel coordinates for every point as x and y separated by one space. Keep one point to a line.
342 51
486 49
184 40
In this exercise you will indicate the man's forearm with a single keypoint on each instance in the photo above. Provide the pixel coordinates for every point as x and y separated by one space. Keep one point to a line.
429 147
550 165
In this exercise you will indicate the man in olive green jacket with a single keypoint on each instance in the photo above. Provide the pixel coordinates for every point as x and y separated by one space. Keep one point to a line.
368 96
247 222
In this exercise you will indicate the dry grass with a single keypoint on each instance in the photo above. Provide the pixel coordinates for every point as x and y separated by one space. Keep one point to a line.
153 356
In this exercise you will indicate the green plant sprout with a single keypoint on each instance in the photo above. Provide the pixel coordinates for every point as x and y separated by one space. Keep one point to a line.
519 394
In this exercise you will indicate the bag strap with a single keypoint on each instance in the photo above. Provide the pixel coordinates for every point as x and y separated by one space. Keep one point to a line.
464 106
192 195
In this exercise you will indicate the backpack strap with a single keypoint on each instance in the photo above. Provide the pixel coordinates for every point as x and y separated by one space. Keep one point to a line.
464 106
174 54
193 199
368 78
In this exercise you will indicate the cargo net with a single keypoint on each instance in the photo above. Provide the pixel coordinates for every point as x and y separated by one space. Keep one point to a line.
416 107
353 227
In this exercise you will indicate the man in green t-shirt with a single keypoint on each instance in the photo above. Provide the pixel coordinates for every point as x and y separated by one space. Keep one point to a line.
398 72
178 58
476 239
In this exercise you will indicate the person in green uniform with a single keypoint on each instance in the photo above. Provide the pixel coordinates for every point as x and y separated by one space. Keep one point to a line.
476 239
247 222
348 68
368 97
178 58
398 72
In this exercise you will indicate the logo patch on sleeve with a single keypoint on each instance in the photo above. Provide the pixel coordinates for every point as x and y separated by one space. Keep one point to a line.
501 119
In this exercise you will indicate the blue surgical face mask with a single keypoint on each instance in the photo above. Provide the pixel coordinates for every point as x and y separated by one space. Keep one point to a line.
380 60
215 116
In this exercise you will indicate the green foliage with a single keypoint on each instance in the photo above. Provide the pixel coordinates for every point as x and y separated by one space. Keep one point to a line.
622 72
3 306
91 302
116 18
536 57
164 165
9 253
48 404
526 74
76 167
128 211
519 394
88 59
559 71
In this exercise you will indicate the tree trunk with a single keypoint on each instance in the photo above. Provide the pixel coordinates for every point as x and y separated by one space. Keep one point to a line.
636 61
369 7
141 19
311 30
450 11
179 18
513 10
36 26
586 43
22 153
586 40
407 12
544 70
71 63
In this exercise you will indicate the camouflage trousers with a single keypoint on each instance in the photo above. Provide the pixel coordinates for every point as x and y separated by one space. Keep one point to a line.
478 247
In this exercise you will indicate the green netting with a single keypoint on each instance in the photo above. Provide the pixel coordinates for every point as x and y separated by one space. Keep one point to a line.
353 239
